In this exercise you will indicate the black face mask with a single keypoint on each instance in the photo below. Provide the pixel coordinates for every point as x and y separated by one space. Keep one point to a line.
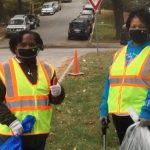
138 35
25 53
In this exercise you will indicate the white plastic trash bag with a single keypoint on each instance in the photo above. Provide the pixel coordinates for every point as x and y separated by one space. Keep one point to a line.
136 138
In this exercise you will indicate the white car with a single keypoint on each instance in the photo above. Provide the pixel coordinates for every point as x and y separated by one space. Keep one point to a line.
57 5
48 8
89 13
88 7
17 23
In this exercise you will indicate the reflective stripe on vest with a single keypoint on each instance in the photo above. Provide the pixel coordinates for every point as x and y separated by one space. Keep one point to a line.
27 103
8 82
129 84
2 73
23 98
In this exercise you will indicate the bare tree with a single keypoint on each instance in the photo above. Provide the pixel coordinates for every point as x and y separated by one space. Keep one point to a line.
139 4
118 13
19 6
1 10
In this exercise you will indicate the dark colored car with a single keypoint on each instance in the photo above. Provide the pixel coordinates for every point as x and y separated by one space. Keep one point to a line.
87 17
79 28
124 37
89 13
66 1
34 21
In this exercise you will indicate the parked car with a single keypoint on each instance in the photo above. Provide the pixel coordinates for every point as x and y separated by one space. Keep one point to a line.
57 5
48 8
17 23
87 22
79 28
87 17
88 7
34 21
88 12
124 37
66 1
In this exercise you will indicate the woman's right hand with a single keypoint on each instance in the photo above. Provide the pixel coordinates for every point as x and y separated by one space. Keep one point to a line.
104 120
16 128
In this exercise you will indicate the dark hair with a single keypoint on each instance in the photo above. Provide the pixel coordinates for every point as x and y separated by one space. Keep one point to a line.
142 14
17 38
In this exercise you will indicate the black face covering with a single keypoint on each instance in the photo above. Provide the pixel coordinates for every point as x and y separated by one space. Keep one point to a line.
138 35
25 53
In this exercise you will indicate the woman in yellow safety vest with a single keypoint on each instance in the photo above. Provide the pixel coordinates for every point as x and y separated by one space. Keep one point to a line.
128 82
28 87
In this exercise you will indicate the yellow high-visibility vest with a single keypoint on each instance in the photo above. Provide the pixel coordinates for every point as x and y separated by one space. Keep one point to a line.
23 98
129 84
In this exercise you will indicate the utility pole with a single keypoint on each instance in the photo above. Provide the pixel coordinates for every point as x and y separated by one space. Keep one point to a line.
137 3
32 7
96 26
19 6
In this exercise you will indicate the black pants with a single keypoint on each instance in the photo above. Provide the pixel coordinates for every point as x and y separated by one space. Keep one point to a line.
121 124
31 142
34 142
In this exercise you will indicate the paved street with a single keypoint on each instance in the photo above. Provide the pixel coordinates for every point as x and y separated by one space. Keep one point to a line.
54 28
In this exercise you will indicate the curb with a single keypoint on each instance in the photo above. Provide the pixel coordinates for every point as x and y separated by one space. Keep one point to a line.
88 45
66 71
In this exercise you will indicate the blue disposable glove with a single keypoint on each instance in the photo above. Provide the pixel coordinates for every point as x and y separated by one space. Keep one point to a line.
28 123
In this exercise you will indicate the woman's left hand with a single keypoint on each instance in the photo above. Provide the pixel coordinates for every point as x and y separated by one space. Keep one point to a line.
55 90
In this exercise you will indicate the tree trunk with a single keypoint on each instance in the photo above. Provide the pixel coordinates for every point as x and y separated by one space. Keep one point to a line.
118 13
1 11
19 6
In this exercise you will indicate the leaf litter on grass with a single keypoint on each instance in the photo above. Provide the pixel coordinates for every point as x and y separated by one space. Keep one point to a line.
76 122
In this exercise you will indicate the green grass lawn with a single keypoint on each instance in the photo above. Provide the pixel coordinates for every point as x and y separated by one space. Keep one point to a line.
75 124
105 27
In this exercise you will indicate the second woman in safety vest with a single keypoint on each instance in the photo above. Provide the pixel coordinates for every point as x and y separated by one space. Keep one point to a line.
128 83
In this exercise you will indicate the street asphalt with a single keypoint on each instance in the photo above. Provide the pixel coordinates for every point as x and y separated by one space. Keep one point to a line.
54 29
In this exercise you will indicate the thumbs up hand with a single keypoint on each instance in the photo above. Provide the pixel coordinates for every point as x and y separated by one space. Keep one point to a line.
55 88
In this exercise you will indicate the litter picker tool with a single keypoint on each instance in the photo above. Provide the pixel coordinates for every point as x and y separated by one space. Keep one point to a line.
104 131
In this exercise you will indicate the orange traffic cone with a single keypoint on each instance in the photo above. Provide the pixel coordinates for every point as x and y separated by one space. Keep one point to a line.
76 65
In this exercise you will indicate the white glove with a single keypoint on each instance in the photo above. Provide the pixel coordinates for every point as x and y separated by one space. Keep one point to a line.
55 90
16 128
